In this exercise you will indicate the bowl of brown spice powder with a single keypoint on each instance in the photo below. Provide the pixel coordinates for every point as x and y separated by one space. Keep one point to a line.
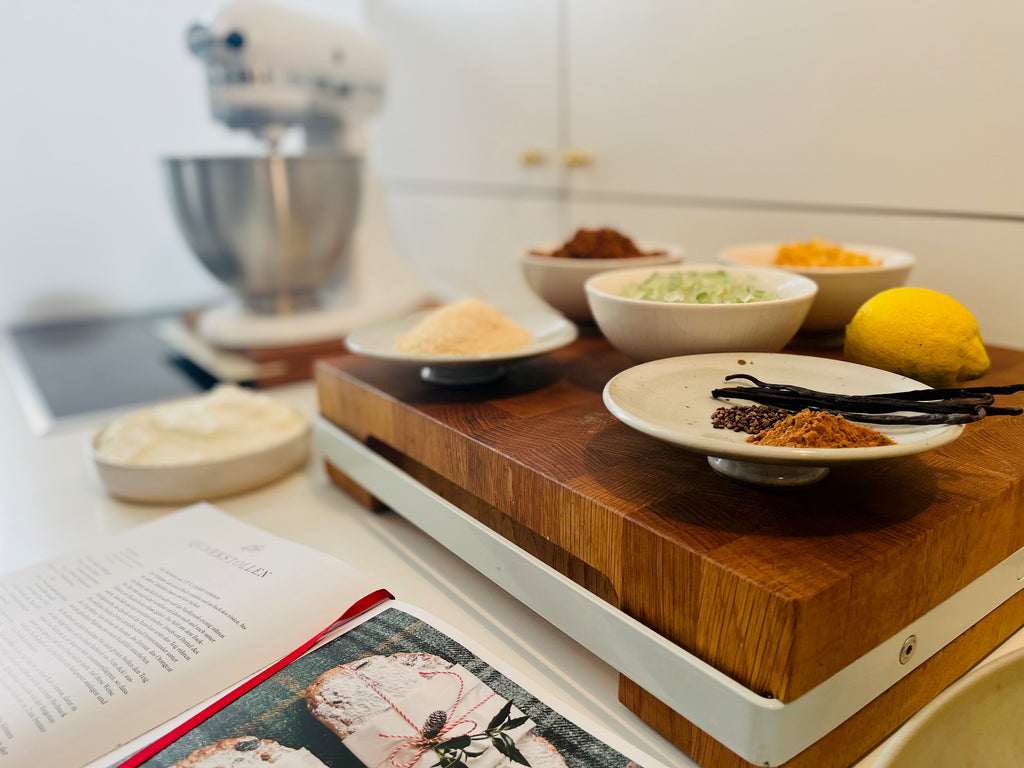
556 273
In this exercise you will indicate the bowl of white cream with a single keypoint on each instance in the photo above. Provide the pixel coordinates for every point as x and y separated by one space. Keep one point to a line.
224 441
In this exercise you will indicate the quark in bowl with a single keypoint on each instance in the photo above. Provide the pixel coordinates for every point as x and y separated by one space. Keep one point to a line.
224 441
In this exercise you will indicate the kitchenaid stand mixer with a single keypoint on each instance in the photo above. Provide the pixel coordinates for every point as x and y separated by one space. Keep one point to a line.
280 229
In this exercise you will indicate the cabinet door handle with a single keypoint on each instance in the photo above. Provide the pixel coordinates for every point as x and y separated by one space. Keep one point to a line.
532 156
577 158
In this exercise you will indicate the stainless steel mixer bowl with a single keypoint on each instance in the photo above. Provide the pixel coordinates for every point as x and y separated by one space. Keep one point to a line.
275 229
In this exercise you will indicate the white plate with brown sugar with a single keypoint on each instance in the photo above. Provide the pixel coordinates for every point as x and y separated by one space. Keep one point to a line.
671 400
547 332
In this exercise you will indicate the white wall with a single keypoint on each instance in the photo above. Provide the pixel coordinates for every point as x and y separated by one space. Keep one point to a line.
91 97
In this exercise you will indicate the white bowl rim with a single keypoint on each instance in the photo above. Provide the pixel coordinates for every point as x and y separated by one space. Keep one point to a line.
891 751
550 330
892 258
672 253
810 288
302 433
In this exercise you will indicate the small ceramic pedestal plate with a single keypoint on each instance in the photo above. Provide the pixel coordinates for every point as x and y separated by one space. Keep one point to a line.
549 331
671 400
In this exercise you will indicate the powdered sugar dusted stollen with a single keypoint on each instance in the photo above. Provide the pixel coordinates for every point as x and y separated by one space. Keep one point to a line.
341 699
383 707
247 751
538 751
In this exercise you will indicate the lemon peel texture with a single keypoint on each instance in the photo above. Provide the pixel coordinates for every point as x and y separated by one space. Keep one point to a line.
920 333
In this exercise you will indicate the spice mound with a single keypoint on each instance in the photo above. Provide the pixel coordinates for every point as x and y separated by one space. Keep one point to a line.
599 244
470 327
747 418
816 429
818 253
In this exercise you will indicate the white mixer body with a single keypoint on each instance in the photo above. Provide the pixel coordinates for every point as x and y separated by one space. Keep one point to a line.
284 231
271 68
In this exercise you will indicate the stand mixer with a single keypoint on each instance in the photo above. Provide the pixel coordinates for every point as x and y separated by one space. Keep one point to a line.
279 229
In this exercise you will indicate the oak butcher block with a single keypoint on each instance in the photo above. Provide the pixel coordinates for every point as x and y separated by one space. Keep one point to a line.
778 588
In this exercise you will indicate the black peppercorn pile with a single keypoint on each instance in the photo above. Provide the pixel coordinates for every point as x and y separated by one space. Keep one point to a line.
748 418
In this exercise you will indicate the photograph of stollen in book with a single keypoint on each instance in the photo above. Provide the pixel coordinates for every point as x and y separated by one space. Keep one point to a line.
392 692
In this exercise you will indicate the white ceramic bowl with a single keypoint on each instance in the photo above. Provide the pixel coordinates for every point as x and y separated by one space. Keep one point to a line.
232 471
559 281
841 290
976 721
652 330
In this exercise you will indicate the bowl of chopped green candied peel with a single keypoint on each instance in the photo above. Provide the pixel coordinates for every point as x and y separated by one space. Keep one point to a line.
689 286
650 314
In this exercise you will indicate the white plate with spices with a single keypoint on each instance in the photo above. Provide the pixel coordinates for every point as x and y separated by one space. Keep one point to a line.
671 400
548 331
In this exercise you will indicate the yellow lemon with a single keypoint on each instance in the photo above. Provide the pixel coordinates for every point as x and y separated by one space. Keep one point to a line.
919 333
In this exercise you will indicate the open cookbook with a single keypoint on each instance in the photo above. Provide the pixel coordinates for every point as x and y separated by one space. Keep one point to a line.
199 641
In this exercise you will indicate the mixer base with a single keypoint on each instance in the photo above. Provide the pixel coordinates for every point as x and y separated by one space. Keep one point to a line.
234 326
259 367
233 343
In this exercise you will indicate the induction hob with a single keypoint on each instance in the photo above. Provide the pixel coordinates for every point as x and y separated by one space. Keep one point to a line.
66 371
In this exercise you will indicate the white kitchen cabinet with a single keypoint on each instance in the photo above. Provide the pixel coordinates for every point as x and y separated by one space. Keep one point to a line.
463 246
471 87
876 104
710 124
979 263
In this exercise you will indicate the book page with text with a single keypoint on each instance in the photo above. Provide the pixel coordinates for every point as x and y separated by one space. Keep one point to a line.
102 645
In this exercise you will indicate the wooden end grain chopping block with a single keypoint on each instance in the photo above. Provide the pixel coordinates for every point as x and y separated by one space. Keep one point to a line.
779 589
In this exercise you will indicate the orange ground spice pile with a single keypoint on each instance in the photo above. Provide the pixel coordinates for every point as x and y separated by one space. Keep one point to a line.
814 429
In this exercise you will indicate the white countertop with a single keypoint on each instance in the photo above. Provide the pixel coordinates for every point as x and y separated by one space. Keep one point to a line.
51 502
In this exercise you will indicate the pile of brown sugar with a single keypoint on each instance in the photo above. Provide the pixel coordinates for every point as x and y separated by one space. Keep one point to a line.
816 429
599 244
470 327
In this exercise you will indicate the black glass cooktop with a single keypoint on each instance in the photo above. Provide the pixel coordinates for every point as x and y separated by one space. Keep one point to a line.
64 370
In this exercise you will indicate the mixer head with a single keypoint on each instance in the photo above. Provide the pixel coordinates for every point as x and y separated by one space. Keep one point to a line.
271 68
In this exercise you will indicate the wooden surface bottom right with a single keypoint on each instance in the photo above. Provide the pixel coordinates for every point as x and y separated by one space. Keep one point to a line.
867 728
842 747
